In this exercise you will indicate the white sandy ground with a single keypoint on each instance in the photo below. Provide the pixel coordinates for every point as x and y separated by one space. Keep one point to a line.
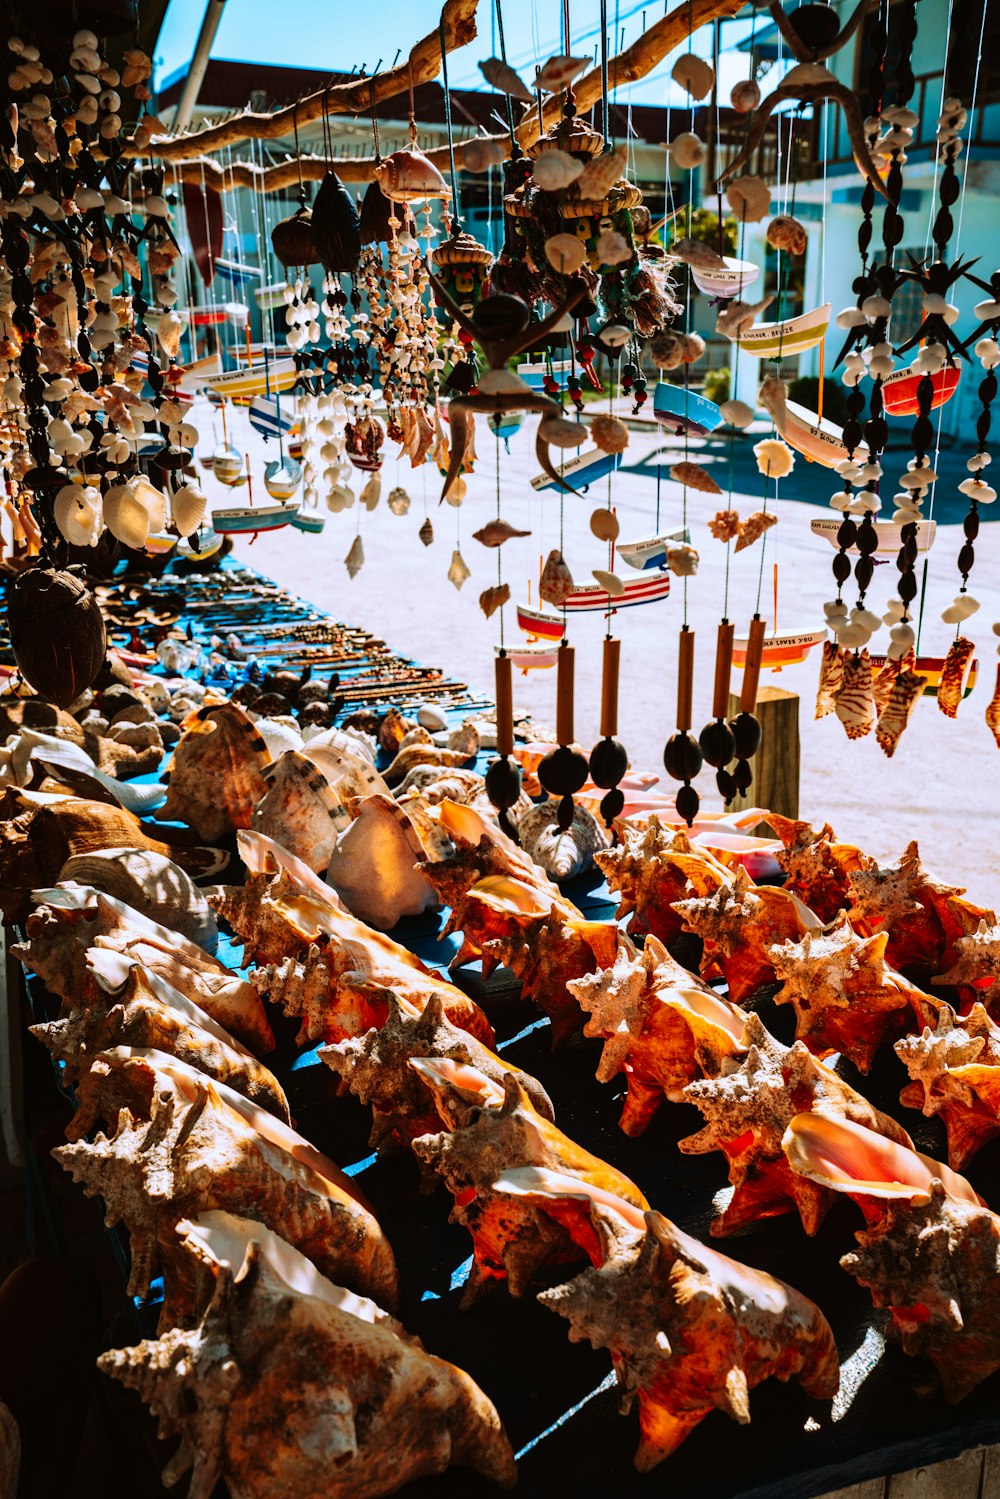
943 785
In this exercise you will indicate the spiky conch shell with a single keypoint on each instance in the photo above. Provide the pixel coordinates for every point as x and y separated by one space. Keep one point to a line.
183 1144
123 1004
512 1240
739 923
690 1330
652 866
747 1108
930 1251
661 1026
260 1394
817 866
216 775
954 1068
376 1068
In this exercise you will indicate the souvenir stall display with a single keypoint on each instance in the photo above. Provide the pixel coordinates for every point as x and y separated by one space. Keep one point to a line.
334 956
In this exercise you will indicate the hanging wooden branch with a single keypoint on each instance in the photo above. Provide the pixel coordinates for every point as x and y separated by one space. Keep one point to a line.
628 67
458 18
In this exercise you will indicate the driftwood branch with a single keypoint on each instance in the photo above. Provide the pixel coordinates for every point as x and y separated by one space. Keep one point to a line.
628 67
354 97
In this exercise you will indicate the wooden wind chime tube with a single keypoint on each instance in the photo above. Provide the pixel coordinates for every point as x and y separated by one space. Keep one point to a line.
609 687
685 678
751 671
566 670
723 669
505 706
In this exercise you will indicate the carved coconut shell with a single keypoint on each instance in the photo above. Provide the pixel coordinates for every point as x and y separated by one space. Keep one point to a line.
56 632
336 226
293 240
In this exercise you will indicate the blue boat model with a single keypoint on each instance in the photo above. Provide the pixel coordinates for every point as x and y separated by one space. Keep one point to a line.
685 411
589 465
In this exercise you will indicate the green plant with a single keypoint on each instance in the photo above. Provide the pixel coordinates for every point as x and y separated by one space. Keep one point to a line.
704 227
805 390
716 387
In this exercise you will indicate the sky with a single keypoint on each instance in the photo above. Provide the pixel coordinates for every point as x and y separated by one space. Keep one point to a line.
340 34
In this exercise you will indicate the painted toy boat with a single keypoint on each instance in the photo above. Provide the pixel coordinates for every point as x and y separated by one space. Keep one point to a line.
311 521
816 438
196 373
234 384
787 649
644 555
505 423
791 336
534 371
206 543
267 417
899 391
270 298
589 465
227 465
250 518
648 588
539 624
282 478
685 411
735 277
931 667
889 534
531 657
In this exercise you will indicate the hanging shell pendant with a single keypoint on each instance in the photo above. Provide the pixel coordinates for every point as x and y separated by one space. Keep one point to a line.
556 583
993 712
831 678
953 675
355 559
398 501
899 706
458 572
855 704
426 532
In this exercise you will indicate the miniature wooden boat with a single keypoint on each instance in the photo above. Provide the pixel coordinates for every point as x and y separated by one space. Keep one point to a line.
267 417
648 588
312 521
531 657
787 649
899 391
889 534
534 371
206 543
931 667
282 478
505 423
196 373
726 282
250 518
816 438
270 298
644 555
685 411
214 315
793 335
538 624
235 384
589 465
160 545
227 465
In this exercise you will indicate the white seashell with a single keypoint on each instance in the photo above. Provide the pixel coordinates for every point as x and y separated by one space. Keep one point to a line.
612 248
372 492
876 307
565 253
340 497
555 170
736 413
853 635
965 605
918 478
355 559
561 854
688 150
988 351
458 572
151 884
433 718
562 432
134 510
479 155
986 312
694 74
612 585
835 609
865 617
373 867
978 461
77 511
187 506
851 317
978 489
558 73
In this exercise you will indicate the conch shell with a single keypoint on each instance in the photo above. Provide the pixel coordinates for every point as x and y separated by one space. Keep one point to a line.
753 528
831 677
931 1251
184 1144
149 883
512 1240
562 853
652 867
953 673
845 996
855 706
124 1004
373 867
556 582
216 775
661 1026
904 694
924 918
975 970
408 176
301 810
739 924
747 1109
691 1331
383 1068
69 920
817 867
954 1067
693 476
291 1387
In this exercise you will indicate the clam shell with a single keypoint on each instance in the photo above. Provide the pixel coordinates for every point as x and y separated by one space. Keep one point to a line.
604 525
564 252
694 74
558 73
554 170
77 513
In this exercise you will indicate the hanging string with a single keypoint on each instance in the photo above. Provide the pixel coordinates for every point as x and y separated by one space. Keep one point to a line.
499 549
605 113
448 124
503 58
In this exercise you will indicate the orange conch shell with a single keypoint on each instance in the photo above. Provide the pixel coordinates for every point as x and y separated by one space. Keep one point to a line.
375 866
895 713
408 176
378 1068
855 706
183 1144
691 1331
816 866
216 775
291 1387
924 918
739 925
747 1109
975 968
68 921
122 1004
930 1252
993 711
845 996
512 1238
954 1066
661 1027
654 866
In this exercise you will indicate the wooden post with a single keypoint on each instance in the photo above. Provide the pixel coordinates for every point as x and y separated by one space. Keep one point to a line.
11 1086
776 763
